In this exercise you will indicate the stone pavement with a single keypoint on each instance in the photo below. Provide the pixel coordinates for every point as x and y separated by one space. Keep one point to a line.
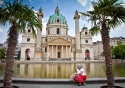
62 85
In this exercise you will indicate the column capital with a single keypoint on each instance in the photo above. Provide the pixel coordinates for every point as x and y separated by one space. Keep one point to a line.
40 12
76 15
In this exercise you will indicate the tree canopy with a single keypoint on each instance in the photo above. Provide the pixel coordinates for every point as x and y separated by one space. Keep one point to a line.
119 51
2 53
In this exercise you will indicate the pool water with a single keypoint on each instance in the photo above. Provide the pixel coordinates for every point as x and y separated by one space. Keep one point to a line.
62 71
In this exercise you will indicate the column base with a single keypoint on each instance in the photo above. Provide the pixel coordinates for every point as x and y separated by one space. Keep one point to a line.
72 59
79 59
78 51
38 50
22 59
37 59
38 54
47 59
78 56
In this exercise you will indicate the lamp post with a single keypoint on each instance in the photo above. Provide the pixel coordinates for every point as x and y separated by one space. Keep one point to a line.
121 55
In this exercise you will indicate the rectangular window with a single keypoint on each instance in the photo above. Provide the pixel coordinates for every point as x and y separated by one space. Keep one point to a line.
86 41
58 31
28 39
45 49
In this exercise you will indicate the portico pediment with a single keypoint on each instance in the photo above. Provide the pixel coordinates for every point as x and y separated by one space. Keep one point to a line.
59 41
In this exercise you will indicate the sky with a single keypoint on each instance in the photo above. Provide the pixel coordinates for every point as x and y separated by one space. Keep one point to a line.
67 9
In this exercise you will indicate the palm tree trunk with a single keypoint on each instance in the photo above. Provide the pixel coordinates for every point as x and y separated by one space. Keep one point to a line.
12 42
108 56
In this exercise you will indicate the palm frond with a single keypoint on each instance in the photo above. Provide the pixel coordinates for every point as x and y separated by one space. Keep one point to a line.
21 14
112 11
94 30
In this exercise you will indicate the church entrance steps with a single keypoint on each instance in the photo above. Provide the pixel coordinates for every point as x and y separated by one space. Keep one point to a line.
59 59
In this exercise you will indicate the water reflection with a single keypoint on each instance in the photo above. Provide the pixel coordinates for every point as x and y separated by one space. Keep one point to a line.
61 71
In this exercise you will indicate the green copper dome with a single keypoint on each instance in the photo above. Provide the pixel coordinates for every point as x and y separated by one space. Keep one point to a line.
57 17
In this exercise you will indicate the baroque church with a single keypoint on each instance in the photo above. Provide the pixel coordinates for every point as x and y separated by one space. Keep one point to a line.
57 44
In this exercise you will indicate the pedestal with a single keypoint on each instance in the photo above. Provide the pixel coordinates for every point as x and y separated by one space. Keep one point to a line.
72 58
78 54
38 54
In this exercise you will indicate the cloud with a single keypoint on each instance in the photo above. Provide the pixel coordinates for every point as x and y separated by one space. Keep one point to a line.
30 1
82 2
90 8
35 12
44 22
1 1
96 38
1 30
118 32
2 41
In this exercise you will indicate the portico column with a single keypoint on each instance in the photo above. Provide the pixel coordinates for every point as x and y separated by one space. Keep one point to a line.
48 54
56 51
48 48
52 51
66 51
62 51
70 51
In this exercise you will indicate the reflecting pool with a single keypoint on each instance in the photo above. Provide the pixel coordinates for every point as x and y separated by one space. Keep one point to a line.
62 71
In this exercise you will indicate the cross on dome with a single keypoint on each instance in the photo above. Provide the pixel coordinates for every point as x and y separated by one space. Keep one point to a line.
57 10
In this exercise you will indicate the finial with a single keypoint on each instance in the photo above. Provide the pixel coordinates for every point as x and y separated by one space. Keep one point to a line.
57 10
76 11
40 10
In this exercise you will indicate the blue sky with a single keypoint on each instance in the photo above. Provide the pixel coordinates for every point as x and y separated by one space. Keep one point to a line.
67 9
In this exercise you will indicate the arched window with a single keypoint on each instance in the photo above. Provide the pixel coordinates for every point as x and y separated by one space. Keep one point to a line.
49 22
28 39
27 51
86 41
66 32
48 32
29 30
86 33
58 20
87 51
58 31
87 54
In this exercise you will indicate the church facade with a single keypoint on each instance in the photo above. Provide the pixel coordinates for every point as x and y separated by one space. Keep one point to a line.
57 44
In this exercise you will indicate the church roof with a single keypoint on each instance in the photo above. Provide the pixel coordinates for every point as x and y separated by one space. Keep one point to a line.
57 17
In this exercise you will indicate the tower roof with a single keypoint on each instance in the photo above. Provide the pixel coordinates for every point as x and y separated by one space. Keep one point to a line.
84 28
57 16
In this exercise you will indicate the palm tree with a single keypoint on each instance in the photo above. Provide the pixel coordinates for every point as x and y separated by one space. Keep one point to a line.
18 16
106 14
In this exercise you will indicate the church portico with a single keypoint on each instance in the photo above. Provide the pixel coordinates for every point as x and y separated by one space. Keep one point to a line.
59 48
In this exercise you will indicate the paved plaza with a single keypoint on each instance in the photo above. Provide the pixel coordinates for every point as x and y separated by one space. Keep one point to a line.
63 85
